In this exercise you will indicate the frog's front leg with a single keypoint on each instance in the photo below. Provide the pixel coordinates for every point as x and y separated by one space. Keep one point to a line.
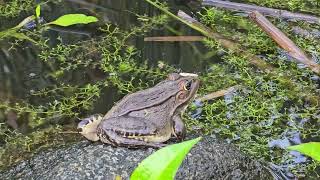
179 129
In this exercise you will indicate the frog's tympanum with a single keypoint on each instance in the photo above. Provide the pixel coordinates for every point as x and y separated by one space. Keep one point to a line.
145 118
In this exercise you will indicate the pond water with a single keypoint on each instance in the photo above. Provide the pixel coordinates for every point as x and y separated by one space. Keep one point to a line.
26 78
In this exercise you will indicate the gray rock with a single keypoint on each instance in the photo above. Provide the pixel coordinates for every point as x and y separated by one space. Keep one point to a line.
209 159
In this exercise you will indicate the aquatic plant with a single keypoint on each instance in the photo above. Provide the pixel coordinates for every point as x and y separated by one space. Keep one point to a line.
265 103
293 5
72 19
65 20
13 8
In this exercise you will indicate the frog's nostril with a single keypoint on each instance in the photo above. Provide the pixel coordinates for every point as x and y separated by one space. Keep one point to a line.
79 130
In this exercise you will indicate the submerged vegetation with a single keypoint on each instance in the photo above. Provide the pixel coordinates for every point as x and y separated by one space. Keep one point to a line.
311 6
265 109
13 8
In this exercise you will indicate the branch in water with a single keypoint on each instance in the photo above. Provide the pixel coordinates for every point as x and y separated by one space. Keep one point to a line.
283 41
217 94
279 13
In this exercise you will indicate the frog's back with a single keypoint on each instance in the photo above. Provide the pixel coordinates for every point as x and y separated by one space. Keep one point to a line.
144 98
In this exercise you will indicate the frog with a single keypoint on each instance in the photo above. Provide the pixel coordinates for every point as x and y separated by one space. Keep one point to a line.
146 118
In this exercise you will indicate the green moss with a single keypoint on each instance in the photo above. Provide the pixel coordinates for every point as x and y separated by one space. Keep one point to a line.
292 5
14 8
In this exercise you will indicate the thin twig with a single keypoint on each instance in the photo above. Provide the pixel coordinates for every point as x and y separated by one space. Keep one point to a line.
283 41
264 10
217 94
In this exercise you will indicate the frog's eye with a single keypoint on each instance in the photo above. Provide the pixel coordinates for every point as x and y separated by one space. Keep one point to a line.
187 85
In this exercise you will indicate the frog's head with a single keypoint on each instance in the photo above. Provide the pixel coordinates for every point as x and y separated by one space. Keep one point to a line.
188 84
88 126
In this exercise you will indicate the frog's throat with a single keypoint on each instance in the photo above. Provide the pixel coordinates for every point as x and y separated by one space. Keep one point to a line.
90 130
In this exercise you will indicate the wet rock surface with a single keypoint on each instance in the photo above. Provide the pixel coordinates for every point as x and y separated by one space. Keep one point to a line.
209 159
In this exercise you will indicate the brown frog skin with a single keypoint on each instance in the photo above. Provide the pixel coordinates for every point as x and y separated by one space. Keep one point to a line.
145 118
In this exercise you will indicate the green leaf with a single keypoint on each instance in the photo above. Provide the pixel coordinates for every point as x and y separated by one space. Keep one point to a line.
38 11
311 149
164 163
71 19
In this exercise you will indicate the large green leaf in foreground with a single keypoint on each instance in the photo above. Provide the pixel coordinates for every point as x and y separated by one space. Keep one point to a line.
71 19
311 149
164 163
